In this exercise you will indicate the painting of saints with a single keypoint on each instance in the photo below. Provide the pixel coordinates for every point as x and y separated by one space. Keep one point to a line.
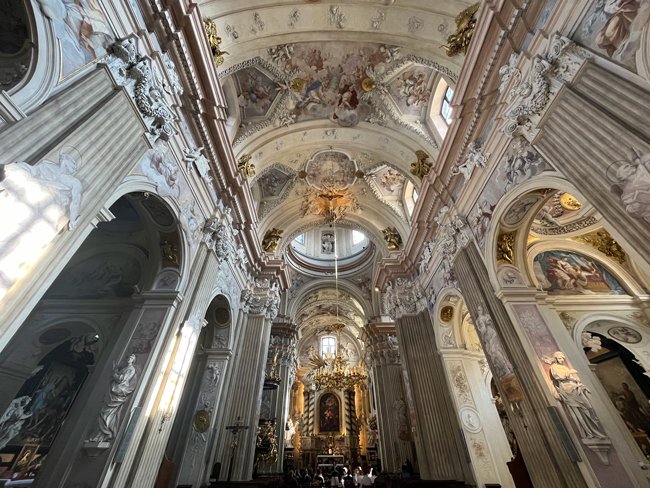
82 29
614 27
329 418
565 272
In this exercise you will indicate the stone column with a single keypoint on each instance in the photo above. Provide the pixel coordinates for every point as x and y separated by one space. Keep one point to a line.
550 454
395 443
243 394
438 442
282 366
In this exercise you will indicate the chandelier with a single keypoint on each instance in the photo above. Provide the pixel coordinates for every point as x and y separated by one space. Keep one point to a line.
333 371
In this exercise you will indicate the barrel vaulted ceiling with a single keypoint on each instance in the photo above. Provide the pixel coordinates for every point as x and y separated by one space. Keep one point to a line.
333 94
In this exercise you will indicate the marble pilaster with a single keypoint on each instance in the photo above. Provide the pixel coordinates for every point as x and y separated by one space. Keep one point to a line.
394 439
439 445
243 394
544 444
580 126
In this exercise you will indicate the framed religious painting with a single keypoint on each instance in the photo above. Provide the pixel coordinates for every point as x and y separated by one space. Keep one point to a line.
329 413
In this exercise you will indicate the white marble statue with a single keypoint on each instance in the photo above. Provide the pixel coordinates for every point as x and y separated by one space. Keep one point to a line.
572 392
122 385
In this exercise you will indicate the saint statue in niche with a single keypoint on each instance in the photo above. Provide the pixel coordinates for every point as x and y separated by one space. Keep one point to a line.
327 243
329 419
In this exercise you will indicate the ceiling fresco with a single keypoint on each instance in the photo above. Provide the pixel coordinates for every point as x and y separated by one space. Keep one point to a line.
344 83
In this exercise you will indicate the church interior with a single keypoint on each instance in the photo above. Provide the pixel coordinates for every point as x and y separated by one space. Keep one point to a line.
249 241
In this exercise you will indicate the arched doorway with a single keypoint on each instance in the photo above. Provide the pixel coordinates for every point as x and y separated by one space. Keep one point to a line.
90 335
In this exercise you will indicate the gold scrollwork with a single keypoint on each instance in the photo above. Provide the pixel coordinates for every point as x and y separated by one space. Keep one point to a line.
458 42
245 166
421 167
214 41
506 247
267 443
569 202
392 238
605 243
271 240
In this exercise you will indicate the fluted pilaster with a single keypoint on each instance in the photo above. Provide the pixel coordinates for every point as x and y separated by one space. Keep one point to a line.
576 138
439 445
394 439
545 453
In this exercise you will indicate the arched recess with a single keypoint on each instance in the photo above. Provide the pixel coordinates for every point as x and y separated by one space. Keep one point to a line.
469 376
617 351
104 314
41 74
555 262
188 458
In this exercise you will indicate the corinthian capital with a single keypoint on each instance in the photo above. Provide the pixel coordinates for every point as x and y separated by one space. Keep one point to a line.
404 297
381 344
261 298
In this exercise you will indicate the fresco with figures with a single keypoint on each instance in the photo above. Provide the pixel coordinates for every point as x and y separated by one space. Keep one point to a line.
333 82
614 28
82 29
565 272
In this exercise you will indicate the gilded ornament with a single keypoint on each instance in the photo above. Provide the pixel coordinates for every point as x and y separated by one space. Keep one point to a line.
392 238
569 202
271 240
446 313
201 421
245 166
298 84
465 24
506 247
367 84
605 243
421 167
266 446
214 41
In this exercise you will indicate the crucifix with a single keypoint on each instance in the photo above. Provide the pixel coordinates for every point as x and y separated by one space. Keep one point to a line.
234 429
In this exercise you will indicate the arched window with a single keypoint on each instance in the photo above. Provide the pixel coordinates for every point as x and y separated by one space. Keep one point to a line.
440 110
327 345
445 108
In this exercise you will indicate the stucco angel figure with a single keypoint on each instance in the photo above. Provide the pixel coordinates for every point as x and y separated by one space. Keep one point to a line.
13 419
57 185
122 385
572 392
